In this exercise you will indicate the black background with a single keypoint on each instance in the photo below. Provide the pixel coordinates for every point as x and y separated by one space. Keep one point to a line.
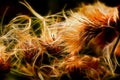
43 7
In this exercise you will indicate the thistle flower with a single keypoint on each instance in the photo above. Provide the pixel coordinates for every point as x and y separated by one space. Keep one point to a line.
92 29
91 26
85 67
30 49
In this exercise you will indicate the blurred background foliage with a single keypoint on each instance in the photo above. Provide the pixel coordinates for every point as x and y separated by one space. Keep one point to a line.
43 7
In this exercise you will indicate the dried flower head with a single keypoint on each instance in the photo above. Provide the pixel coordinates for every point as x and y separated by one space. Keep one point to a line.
30 49
90 26
81 66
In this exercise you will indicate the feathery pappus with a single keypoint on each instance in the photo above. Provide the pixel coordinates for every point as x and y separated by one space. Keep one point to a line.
91 27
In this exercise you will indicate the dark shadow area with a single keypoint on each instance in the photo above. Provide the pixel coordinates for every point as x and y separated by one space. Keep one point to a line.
43 7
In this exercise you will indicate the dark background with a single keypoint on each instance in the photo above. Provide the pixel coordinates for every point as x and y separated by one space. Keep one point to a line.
43 7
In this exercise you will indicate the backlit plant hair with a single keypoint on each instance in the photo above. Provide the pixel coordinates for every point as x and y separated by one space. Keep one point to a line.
90 30
80 44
